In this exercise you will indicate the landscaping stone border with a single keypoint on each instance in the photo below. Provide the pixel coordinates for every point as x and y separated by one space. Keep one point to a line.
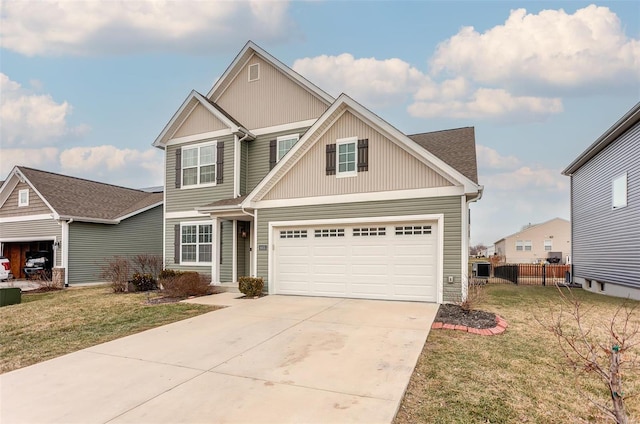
501 326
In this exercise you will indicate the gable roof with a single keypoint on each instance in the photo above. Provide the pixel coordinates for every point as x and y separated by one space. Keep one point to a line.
247 51
341 104
533 226
631 118
457 147
193 99
84 200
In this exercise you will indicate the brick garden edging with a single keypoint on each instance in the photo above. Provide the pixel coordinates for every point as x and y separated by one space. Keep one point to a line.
501 325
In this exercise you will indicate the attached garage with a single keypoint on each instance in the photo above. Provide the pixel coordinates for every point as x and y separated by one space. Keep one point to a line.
394 260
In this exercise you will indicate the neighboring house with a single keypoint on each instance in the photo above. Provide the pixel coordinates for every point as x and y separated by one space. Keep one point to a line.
536 243
267 175
605 210
84 223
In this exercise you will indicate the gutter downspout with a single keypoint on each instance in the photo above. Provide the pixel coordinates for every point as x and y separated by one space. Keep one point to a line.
254 240
466 238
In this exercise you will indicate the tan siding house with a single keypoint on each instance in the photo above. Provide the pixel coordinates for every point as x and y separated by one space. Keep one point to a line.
69 218
536 243
318 195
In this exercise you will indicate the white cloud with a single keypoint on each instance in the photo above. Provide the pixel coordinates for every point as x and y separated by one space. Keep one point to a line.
488 103
368 80
551 48
31 119
128 167
490 158
527 178
90 27
43 158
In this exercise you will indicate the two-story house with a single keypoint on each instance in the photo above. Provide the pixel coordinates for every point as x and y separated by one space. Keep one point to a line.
268 175
537 243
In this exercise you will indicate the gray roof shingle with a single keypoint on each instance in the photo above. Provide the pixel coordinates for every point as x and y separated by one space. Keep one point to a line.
456 147
77 197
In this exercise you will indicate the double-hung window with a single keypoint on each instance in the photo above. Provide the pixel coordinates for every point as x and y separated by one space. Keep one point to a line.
196 243
199 165
548 245
346 157
285 143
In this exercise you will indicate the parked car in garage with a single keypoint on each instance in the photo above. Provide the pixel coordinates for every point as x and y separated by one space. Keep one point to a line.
38 265
5 269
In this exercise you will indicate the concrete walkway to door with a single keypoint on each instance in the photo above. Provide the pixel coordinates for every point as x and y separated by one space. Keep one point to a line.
277 359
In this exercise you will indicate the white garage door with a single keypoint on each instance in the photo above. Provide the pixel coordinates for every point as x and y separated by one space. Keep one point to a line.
373 261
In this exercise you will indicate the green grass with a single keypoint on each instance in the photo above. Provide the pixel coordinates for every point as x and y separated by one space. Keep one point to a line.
47 325
519 376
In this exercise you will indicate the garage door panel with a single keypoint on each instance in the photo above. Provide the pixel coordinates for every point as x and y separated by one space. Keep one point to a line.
363 261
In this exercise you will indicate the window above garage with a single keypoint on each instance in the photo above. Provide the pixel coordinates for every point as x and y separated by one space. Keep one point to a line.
23 197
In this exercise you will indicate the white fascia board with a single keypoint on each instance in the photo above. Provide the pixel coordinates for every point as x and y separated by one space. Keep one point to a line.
25 218
198 137
284 127
146 208
86 219
361 197
158 141
185 214
308 85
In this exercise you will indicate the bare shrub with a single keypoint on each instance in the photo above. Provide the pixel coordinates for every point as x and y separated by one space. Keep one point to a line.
44 280
117 271
251 286
185 284
147 264
475 296
601 354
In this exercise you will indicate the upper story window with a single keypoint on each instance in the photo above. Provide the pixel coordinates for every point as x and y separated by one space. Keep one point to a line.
619 191
346 157
199 165
23 197
254 72
548 245
285 143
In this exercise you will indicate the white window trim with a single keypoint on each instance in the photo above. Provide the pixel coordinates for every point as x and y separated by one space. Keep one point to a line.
249 72
198 146
20 193
622 178
340 142
283 138
529 244
549 243
520 243
213 240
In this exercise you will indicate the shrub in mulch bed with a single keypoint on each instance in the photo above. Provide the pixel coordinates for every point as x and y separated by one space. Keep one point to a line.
455 315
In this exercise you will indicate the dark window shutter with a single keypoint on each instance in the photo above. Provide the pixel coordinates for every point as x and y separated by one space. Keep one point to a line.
178 167
273 152
363 155
220 163
331 159
176 244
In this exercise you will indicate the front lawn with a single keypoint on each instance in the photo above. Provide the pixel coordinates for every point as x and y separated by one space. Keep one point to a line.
47 325
519 376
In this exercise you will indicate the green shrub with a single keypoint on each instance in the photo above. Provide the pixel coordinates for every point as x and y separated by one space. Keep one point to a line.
251 286
144 282
185 284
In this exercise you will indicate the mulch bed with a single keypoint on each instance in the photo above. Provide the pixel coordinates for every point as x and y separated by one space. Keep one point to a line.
455 315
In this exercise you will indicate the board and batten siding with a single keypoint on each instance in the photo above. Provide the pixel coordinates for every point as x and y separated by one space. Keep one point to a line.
274 99
36 204
389 167
606 241
42 229
199 121
187 199
92 246
449 206
258 156
225 253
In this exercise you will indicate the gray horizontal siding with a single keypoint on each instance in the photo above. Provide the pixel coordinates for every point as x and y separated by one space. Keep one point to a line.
91 246
226 252
258 156
186 199
45 229
452 232
606 242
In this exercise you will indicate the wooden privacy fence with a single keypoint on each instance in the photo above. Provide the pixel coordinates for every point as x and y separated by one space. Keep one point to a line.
532 274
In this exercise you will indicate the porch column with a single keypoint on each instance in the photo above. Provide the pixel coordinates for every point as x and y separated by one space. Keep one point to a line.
234 253
215 264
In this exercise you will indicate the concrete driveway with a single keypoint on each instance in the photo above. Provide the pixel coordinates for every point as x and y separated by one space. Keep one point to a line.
277 359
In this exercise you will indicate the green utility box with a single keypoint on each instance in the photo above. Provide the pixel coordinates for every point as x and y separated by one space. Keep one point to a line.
10 296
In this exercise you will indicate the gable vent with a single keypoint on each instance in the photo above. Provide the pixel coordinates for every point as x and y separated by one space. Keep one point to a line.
254 72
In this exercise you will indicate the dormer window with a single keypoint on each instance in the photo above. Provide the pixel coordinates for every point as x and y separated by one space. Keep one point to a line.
23 197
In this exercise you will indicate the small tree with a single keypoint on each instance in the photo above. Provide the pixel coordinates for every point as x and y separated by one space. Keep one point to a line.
605 355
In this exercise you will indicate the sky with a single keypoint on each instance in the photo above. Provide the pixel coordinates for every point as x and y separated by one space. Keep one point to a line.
87 86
